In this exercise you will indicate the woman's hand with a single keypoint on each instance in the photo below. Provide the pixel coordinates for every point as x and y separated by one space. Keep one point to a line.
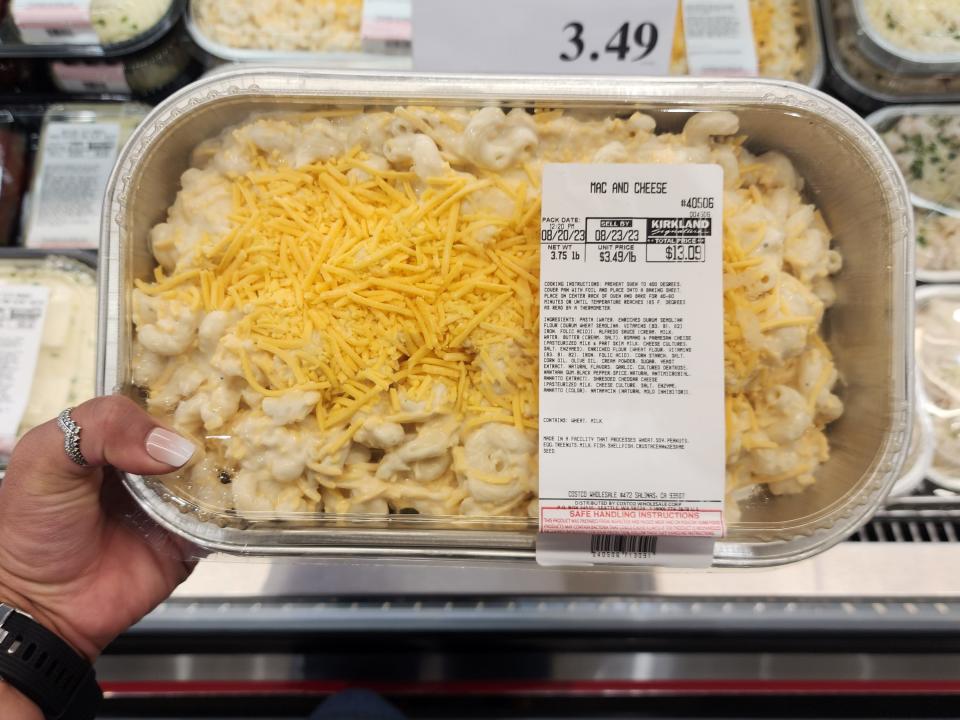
68 556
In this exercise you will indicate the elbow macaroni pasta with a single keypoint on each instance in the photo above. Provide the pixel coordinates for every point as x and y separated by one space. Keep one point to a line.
346 307
312 25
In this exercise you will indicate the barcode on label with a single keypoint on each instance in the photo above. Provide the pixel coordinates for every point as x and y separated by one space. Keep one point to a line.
636 546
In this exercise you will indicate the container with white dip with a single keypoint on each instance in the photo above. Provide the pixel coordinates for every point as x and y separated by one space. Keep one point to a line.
48 318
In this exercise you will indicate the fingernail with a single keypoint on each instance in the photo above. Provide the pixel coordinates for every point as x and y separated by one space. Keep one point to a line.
168 447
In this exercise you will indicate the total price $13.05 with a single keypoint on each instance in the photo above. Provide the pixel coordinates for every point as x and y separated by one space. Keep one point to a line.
629 42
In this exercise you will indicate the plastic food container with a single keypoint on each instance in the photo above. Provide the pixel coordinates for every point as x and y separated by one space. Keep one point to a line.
806 57
13 171
78 144
916 467
115 31
868 84
342 52
929 157
149 74
848 172
882 38
64 373
937 334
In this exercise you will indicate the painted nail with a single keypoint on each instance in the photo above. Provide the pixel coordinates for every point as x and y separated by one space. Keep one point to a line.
168 447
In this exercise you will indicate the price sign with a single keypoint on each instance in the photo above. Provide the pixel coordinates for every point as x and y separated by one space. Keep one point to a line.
614 37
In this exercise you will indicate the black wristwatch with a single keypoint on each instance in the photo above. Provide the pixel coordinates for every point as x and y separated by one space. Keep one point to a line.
45 669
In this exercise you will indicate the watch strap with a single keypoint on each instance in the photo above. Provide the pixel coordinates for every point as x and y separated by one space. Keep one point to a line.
46 669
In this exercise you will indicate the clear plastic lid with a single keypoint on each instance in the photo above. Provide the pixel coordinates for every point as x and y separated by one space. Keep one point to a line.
61 373
868 70
149 74
332 422
925 141
287 30
78 145
911 36
920 452
786 36
13 175
98 28
938 366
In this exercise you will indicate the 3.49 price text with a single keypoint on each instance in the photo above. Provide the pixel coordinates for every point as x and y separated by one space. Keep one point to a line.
643 38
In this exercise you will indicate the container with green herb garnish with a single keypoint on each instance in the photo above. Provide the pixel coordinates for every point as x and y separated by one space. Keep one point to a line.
925 141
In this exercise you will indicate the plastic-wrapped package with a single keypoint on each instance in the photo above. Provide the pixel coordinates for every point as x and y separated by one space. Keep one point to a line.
13 167
48 302
787 41
925 142
938 351
147 75
90 28
78 145
872 49
416 130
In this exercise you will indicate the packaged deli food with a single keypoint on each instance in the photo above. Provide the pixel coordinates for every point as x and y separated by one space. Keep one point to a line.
147 75
937 343
13 167
53 365
925 141
866 83
327 32
916 467
78 145
444 443
909 36
94 28
786 34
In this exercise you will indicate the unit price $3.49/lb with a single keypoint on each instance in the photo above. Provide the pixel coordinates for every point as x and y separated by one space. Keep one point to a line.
630 41
618 256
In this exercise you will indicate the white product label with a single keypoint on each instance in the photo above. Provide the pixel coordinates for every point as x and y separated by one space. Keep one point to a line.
386 26
631 377
54 22
22 312
613 37
106 77
719 37
75 167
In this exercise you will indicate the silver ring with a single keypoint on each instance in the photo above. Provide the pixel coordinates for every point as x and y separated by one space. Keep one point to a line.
71 437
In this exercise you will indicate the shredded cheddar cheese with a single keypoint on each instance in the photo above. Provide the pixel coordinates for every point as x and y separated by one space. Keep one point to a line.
346 306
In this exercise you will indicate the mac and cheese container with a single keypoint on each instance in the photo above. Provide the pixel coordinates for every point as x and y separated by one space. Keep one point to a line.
925 141
847 173
787 38
868 72
325 34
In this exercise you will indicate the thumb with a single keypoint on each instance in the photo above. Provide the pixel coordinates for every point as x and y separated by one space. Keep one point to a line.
113 431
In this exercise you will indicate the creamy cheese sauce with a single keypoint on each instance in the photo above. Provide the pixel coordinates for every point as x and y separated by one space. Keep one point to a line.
925 26
927 149
345 307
